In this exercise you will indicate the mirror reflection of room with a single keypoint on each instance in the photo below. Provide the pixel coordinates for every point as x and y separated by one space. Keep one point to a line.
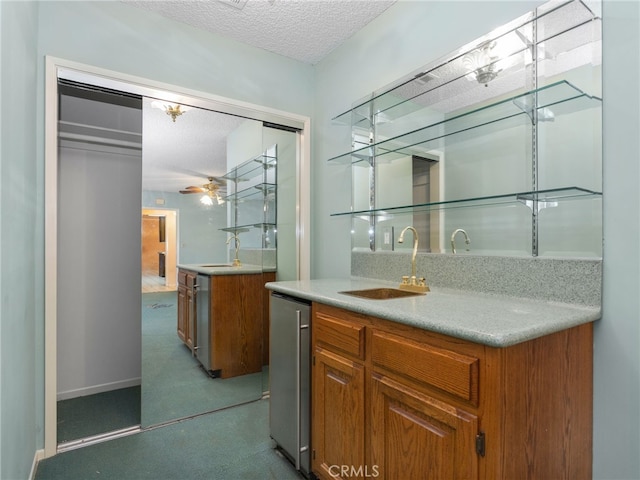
173 166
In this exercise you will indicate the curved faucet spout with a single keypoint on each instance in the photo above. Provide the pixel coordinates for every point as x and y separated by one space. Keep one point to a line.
415 247
467 240
236 260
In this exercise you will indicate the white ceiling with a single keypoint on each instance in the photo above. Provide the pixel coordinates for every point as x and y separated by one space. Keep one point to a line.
305 30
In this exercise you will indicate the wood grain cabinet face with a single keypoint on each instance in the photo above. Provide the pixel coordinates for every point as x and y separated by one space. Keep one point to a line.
237 324
416 436
395 402
338 420
186 307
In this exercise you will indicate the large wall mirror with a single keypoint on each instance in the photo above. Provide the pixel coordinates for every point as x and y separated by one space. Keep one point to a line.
501 139
127 219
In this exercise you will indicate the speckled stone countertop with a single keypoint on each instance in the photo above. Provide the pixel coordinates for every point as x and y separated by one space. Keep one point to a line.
222 268
489 319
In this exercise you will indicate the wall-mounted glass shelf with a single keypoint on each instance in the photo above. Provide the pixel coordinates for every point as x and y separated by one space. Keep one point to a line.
246 228
545 197
255 192
511 40
250 168
552 100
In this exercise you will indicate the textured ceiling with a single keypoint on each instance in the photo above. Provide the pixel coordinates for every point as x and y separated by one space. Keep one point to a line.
185 152
305 30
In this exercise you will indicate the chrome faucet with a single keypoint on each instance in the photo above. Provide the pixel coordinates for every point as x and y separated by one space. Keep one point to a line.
467 240
236 261
412 283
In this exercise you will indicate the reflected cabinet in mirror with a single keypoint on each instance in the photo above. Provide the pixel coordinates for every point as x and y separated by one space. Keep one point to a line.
494 149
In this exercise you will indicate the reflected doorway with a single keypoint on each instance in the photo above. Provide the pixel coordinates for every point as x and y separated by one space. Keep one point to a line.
159 250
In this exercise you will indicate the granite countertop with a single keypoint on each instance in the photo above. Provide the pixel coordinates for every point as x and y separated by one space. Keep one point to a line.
489 319
221 268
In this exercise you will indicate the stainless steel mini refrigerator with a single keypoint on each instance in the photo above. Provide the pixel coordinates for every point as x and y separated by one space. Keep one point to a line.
289 378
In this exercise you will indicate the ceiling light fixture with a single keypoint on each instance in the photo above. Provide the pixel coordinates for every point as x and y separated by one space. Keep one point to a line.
174 111
206 200
481 63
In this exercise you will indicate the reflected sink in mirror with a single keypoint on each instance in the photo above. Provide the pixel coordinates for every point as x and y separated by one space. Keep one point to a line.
381 293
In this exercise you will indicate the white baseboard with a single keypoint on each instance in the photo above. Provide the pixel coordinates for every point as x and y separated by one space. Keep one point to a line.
93 389
37 456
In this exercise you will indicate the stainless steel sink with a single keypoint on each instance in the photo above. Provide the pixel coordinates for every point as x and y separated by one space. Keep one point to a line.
214 265
381 293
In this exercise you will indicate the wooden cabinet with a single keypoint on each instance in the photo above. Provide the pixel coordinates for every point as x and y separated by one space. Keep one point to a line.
236 320
186 307
338 405
392 402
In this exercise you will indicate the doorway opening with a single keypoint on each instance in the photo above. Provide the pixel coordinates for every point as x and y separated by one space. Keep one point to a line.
159 250
57 69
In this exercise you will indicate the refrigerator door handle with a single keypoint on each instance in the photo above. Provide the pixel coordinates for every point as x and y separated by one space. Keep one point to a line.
299 448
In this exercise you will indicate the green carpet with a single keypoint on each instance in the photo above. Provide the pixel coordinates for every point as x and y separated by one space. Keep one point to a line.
100 413
173 383
231 444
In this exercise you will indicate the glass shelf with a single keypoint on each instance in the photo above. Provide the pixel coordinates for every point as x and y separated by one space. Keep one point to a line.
246 228
255 192
513 40
555 99
544 197
250 168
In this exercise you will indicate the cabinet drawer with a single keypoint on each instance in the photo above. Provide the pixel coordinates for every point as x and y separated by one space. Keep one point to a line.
182 277
191 280
451 372
345 336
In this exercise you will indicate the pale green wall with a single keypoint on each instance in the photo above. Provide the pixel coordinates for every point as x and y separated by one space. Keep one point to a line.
616 430
411 34
408 35
21 280
108 35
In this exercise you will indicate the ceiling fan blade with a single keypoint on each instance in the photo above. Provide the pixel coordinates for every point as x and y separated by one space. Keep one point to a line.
193 190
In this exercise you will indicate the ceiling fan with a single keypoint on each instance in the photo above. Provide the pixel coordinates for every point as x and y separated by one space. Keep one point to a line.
209 191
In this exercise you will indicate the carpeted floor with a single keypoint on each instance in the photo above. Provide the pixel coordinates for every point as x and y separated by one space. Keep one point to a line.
231 444
173 383
100 413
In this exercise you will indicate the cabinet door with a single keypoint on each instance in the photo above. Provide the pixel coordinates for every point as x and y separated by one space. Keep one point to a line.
182 313
416 436
190 324
338 415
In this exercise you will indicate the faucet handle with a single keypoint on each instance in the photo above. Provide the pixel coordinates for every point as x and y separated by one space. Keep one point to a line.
405 280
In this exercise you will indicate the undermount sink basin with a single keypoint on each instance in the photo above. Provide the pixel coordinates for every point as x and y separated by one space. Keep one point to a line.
381 293
217 265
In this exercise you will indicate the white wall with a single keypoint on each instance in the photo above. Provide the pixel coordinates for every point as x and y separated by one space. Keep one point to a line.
99 255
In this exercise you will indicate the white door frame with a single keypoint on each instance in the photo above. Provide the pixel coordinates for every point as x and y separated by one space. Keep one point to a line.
55 68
